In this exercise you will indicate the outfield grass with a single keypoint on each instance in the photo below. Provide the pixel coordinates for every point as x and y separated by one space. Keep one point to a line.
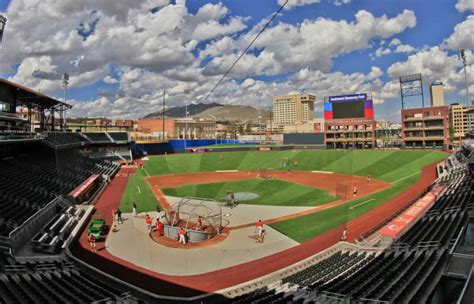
387 166
144 198
308 226
270 192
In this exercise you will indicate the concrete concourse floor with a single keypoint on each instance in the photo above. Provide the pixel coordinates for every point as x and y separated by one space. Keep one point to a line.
250 214
132 243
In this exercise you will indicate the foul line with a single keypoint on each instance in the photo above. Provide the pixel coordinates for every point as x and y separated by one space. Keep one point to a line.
400 179
355 206
139 191
146 171
325 172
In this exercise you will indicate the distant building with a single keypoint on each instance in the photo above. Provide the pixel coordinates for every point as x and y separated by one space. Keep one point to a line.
425 127
294 108
179 128
155 127
437 94
461 119
195 128
125 123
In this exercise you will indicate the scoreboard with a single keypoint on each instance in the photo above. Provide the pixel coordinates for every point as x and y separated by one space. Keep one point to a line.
348 107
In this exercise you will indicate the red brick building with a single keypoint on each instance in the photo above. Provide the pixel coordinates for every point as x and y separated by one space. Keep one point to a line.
425 127
358 133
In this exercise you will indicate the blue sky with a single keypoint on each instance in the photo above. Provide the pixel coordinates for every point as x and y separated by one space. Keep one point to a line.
307 48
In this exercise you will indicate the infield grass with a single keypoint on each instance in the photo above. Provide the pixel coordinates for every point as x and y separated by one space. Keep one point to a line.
270 192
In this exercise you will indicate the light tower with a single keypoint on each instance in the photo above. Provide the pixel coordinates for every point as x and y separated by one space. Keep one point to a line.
3 23
63 113
464 63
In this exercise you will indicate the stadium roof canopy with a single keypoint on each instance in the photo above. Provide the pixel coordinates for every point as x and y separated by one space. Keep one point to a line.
19 95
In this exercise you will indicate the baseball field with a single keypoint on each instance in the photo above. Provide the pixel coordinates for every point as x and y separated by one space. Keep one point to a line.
398 170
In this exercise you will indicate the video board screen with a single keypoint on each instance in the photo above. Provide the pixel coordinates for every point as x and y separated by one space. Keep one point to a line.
351 109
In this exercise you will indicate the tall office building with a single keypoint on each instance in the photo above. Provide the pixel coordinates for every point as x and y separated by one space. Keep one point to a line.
293 108
437 94
461 119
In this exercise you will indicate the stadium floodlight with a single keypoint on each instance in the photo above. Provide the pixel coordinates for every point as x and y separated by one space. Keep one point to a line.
464 63
3 23
65 84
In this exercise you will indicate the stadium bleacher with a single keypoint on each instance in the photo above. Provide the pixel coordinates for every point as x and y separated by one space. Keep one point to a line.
61 281
58 139
30 181
98 137
119 136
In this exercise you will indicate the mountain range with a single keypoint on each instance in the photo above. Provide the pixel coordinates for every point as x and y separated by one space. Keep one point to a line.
215 111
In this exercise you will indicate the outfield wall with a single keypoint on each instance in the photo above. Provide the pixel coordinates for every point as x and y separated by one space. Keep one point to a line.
177 145
303 139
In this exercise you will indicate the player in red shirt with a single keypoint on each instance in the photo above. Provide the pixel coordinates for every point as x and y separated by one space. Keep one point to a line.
182 235
91 240
148 222
258 227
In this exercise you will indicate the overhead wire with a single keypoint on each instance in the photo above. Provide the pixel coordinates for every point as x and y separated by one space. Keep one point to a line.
245 51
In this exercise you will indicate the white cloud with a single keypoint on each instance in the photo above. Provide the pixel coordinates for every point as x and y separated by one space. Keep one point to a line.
395 42
465 5
313 43
294 3
463 35
341 2
404 48
382 51
434 64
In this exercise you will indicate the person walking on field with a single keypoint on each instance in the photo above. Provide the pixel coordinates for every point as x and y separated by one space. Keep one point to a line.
354 191
134 208
199 223
148 222
91 240
369 178
182 236
258 227
119 216
261 235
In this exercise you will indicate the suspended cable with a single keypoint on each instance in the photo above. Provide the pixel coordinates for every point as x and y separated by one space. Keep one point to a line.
245 51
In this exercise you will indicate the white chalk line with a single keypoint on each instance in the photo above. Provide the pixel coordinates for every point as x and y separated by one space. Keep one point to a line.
363 203
139 191
400 179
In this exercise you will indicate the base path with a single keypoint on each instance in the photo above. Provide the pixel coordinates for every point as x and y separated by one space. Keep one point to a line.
313 179
318 180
